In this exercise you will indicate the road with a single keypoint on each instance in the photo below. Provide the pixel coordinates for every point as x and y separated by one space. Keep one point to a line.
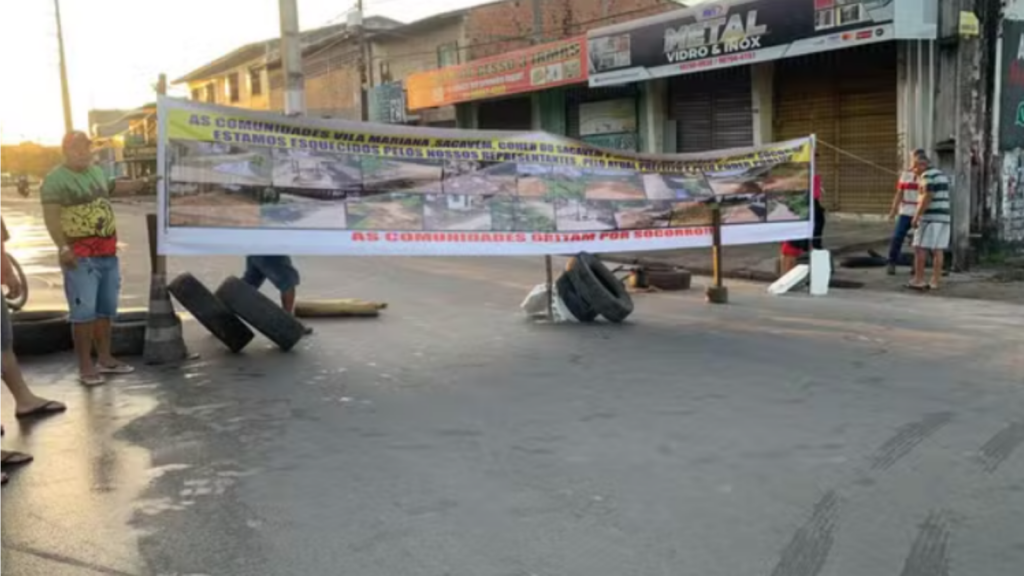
858 434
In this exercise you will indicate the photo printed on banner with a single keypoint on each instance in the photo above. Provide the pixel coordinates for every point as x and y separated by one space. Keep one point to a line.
459 212
643 215
386 211
385 175
522 215
585 215
677 187
613 184
203 205
306 169
544 181
741 195
218 163
474 177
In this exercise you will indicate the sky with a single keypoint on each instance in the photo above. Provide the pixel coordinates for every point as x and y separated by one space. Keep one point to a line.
116 64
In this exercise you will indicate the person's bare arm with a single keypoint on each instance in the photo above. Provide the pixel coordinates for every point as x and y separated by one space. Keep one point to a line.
7 268
51 217
130 187
924 199
896 201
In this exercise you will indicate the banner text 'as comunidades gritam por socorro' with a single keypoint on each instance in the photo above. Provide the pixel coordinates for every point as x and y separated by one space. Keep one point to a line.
243 182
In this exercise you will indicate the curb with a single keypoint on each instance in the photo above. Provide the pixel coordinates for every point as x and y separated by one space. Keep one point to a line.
741 274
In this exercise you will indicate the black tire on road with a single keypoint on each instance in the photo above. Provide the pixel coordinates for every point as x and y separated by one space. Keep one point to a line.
596 284
669 279
261 313
856 262
213 314
128 333
41 332
578 307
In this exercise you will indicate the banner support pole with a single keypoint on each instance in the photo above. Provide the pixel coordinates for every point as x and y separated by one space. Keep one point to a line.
716 293
551 287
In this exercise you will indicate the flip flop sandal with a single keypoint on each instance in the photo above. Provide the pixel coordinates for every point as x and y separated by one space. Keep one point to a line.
3 478
48 408
120 369
916 287
92 381
13 458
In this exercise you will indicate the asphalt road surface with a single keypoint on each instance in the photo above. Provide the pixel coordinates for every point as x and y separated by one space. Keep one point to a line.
855 435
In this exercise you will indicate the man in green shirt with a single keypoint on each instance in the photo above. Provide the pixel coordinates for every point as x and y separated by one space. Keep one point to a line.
80 220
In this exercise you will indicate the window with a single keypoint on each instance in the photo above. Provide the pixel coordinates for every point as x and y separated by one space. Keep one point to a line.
256 82
232 88
385 71
211 93
197 94
448 54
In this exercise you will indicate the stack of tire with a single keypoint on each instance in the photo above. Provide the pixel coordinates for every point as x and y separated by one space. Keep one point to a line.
229 312
589 289
40 332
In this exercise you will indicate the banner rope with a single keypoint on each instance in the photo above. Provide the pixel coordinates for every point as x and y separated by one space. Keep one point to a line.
859 158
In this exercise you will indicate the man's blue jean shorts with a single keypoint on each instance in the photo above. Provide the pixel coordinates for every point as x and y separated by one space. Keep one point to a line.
92 289
278 269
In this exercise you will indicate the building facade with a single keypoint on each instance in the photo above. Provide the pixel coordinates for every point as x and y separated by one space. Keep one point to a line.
1006 195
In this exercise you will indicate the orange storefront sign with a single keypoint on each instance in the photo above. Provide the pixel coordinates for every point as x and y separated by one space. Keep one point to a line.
535 68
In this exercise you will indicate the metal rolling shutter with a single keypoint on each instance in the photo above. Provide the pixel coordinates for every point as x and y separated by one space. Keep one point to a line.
508 114
712 110
848 98
576 96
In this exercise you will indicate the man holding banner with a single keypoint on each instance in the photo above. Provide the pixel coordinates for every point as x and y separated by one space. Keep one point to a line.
80 220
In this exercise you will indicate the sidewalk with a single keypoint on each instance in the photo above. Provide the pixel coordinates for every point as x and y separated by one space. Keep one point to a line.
760 261
844 237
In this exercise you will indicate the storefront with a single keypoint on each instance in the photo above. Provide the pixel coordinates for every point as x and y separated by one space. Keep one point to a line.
505 114
712 110
605 117
746 72
848 98
538 88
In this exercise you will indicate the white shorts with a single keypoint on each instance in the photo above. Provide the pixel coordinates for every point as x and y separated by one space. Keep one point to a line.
932 235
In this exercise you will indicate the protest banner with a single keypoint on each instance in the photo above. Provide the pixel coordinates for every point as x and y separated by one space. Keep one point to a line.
243 182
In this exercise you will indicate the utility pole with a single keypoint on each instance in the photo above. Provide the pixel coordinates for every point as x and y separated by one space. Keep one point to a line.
356 21
968 140
64 89
291 58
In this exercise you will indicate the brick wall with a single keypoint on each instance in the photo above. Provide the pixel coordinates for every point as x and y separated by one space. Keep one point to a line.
332 82
498 28
403 54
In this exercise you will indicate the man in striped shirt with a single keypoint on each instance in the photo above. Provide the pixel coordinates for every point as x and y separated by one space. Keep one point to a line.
904 206
932 222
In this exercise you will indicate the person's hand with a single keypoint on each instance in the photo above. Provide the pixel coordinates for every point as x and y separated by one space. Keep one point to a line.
14 287
916 222
67 258
891 216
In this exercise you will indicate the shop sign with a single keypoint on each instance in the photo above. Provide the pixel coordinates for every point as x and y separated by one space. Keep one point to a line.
731 33
1011 98
387 104
536 68
608 117
139 153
